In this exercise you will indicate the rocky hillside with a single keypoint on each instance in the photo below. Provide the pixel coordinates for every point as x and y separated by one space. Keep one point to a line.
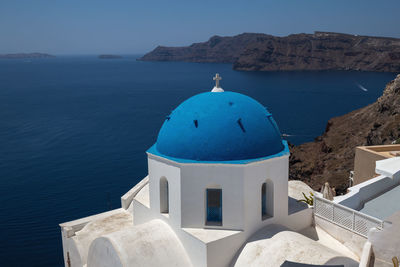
331 156
318 51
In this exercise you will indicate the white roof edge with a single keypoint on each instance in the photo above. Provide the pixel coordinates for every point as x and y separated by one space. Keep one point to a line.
388 167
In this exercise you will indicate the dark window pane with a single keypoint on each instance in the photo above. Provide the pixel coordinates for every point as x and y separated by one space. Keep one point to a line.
214 205
263 199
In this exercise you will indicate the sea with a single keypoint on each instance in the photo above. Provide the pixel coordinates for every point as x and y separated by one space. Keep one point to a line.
74 131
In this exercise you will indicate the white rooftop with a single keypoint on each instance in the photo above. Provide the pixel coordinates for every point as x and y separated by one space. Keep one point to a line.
388 167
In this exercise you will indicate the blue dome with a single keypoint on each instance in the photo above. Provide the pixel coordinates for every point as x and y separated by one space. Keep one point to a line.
224 126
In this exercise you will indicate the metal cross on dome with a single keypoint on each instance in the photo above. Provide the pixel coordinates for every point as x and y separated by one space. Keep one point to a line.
217 78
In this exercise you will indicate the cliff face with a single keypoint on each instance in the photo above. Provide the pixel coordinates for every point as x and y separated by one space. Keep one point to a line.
216 49
318 51
331 156
321 51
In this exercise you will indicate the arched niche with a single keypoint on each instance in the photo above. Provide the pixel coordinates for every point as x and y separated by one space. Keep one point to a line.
164 195
267 199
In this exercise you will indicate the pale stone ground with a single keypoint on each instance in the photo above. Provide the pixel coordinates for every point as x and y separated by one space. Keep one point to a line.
327 240
386 243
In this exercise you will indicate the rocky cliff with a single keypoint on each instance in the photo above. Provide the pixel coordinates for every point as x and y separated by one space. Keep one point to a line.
216 49
331 156
318 51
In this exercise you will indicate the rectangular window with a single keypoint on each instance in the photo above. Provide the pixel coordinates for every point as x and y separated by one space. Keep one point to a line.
214 206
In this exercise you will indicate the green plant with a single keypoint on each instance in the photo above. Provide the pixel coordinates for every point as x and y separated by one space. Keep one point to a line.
308 200
395 262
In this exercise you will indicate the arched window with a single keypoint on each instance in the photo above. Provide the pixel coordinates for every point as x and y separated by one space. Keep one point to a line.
264 200
164 199
267 200
214 207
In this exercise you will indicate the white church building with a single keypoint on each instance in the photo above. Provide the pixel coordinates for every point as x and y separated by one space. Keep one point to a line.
217 184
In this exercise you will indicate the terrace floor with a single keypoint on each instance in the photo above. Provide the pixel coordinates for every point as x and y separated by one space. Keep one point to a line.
384 205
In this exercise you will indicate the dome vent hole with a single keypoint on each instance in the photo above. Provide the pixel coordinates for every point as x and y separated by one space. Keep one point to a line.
239 121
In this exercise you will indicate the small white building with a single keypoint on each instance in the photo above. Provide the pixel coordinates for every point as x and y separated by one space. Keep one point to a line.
218 174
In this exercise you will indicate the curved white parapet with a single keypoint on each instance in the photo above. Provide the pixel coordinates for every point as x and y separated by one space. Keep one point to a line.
389 167
357 195
275 244
149 244
366 255
127 198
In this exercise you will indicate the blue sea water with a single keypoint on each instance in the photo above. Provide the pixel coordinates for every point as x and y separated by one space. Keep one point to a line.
74 131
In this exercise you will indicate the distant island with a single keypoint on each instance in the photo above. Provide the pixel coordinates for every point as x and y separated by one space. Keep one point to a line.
25 55
262 52
109 57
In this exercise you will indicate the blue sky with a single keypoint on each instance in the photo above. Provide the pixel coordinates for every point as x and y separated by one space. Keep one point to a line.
131 27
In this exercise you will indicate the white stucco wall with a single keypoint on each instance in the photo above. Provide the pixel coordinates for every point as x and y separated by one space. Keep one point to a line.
275 169
196 178
158 169
222 251
72 252
241 203
241 191
141 213
299 220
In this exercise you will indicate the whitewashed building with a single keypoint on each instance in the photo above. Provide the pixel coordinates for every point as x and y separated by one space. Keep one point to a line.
217 176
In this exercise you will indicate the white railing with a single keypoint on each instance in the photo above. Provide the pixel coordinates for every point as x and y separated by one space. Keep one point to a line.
345 217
